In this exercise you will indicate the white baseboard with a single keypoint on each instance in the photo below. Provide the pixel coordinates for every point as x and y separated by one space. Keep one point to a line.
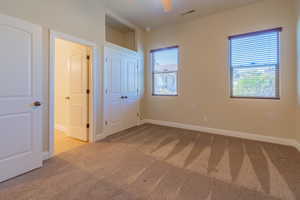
46 155
100 137
60 128
297 145
140 122
238 134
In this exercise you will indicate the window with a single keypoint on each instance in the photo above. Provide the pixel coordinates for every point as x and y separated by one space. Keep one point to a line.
165 71
254 64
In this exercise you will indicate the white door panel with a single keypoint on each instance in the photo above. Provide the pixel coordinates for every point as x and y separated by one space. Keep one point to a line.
115 75
130 103
10 39
20 87
132 77
22 132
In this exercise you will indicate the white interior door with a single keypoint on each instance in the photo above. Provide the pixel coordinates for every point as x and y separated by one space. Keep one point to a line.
78 93
113 92
20 96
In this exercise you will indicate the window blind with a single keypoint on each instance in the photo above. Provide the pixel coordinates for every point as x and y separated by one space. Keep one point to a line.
254 59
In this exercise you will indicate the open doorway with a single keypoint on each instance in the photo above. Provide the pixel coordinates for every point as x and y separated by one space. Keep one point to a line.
72 80
71 114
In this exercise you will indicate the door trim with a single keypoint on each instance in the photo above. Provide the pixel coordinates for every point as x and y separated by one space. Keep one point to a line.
93 79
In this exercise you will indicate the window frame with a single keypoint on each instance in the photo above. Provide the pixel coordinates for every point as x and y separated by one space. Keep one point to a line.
277 77
153 70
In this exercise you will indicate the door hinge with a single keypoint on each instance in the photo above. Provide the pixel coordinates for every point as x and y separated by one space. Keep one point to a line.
87 125
138 114
106 123
88 91
87 57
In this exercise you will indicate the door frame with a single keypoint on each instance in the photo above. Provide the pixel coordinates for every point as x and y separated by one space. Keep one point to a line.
93 80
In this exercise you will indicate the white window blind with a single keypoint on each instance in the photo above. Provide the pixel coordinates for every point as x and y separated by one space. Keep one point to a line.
254 60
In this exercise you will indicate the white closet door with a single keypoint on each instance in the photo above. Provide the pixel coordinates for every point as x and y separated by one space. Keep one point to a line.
131 101
20 93
113 110
121 91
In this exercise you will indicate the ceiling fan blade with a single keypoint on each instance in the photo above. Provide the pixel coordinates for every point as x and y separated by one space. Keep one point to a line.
167 5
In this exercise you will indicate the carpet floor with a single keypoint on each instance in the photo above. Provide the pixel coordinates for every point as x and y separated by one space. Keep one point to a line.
155 162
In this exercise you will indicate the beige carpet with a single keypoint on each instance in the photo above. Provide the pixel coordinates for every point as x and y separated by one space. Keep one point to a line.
153 162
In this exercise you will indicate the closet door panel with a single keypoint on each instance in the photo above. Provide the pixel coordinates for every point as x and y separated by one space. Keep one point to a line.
114 114
130 103
132 78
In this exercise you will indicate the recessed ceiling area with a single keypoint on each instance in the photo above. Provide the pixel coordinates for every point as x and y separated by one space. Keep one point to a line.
150 13
112 22
118 33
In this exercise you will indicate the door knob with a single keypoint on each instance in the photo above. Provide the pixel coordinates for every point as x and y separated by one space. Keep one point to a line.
68 98
126 97
37 104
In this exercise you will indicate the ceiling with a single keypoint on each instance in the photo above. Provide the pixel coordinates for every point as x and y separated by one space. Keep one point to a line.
150 13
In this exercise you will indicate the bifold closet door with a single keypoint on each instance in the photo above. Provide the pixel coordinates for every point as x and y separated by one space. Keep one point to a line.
121 91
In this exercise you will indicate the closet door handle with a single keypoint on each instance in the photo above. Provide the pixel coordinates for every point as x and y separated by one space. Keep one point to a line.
122 97
126 97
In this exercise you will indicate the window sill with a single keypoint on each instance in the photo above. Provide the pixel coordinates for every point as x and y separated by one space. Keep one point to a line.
262 98
164 95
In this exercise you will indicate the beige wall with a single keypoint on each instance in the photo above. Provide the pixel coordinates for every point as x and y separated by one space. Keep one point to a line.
204 75
81 18
125 39
298 71
114 36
